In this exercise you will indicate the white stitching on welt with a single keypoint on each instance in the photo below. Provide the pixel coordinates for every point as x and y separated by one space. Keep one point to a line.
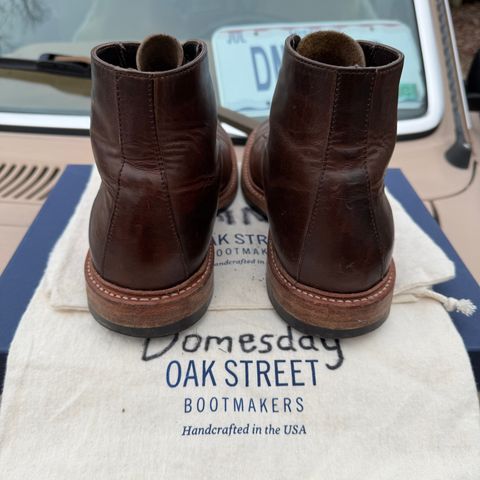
147 299
327 299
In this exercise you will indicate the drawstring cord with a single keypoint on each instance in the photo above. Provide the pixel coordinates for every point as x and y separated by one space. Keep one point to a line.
451 304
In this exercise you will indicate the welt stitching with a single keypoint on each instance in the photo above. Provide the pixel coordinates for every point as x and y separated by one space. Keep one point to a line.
367 175
285 281
311 224
119 184
163 175
92 276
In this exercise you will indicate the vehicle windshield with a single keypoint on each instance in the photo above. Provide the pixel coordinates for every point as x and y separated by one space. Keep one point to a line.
245 38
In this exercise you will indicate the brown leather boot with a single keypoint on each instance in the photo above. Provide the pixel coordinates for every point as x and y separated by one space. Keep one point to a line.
317 168
166 165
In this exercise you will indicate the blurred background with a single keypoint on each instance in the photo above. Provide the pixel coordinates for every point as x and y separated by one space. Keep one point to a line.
466 20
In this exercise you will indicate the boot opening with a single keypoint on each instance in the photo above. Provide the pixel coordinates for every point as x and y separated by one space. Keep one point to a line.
155 54
378 57
339 50
119 54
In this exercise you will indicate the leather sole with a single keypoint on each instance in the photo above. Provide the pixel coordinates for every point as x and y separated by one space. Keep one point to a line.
327 314
154 313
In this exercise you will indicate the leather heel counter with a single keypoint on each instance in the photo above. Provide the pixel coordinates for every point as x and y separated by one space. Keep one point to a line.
153 136
98 228
141 248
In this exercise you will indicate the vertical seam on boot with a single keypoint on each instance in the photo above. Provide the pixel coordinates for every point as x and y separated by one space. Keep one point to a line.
163 175
119 185
367 175
311 223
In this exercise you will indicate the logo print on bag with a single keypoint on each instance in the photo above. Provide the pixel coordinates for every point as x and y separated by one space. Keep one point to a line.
247 343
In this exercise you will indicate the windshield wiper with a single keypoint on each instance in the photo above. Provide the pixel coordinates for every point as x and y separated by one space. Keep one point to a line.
77 66
50 63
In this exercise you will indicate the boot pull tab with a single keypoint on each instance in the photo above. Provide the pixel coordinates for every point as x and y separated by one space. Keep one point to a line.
332 48
159 53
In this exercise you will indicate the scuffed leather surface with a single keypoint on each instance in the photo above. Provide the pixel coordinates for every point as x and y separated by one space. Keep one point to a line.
332 133
257 152
224 152
154 140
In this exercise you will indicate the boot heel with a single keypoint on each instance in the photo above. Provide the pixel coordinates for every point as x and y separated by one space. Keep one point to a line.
330 315
155 313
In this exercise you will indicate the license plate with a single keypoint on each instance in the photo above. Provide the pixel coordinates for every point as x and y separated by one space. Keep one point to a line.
248 58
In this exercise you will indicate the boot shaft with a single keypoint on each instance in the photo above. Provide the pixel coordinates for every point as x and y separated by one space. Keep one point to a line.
332 132
154 141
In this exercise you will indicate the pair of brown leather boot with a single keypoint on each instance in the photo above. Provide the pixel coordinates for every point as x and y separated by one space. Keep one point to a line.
315 169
